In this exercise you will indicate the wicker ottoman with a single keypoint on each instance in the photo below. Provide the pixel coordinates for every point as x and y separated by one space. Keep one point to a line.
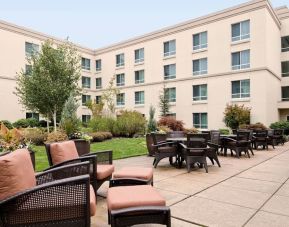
133 205
129 176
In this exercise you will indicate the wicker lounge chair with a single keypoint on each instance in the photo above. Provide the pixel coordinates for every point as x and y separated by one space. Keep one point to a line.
58 197
64 153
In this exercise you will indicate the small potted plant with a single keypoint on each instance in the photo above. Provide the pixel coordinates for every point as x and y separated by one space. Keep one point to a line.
82 142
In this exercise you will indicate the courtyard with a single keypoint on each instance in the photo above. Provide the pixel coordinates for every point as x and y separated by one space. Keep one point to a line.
243 192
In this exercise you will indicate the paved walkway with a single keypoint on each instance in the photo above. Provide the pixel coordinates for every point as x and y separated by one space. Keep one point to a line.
243 192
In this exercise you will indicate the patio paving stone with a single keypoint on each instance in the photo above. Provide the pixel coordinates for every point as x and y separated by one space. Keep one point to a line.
265 219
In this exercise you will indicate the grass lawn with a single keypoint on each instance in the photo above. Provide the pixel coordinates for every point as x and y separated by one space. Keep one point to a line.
121 147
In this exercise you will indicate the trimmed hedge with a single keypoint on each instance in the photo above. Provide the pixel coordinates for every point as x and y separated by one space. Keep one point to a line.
25 123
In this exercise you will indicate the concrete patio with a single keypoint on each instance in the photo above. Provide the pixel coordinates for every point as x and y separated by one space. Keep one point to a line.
243 192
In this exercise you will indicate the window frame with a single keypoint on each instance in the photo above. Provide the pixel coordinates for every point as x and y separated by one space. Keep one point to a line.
284 99
200 46
87 98
137 59
120 60
241 66
168 94
170 52
139 102
98 65
122 78
85 63
97 99
286 73
120 102
200 61
200 125
87 118
33 115
200 97
241 37
137 74
96 81
33 49
170 76
84 79
286 48
240 94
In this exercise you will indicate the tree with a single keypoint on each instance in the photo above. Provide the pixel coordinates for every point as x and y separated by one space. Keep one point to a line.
152 124
69 120
164 103
109 96
95 108
236 115
54 75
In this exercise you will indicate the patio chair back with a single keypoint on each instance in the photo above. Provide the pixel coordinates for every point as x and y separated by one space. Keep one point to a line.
243 135
278 132
261 133
215 136
197 140
270 132
158 138
176 134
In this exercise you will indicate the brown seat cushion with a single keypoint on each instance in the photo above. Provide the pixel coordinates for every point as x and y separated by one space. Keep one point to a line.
63 151
92 201
134 172
133 196
104 171
16 173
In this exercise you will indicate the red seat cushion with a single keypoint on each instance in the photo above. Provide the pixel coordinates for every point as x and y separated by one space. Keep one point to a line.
134 172
16 173
63 151
133 196
104 171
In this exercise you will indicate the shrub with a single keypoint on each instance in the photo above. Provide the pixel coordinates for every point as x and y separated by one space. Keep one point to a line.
254 126
25 123
171 123
35 136
104 124
129 123
57 136
152 124
224 131
100 136
8 124
281 125
236 115
163 129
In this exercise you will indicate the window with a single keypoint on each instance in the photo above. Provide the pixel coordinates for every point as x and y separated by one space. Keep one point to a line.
170 94
285 68
139 77
241 60
139 97
85 99
240 89
28 69
139 55
85 82
170 71
200 92
120 80
169 48
98 83
119 60
241 31
32 115
31 48
98 99
285 93
86 118
200 66
285 44
85 63
120 99
200 41
98 65
200 120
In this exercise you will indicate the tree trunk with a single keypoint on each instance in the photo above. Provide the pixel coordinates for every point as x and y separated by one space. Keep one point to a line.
54 120
47 123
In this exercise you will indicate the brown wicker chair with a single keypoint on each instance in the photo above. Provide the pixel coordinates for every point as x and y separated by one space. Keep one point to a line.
279 136
164 149
195 150
271 139
176 134
99 161
260 139
241 144
215 145
60 197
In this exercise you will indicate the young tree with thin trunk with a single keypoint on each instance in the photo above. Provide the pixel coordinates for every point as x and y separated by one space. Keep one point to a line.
164 103
54 76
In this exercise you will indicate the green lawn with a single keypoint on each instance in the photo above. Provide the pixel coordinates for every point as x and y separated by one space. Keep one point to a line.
121 147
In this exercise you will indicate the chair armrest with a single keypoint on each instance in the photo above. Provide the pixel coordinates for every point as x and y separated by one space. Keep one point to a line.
62 172
161 144
183 145
230 139
62 201
213 145
104 157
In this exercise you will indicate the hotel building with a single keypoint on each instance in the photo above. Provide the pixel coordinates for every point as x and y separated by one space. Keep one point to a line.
236 56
